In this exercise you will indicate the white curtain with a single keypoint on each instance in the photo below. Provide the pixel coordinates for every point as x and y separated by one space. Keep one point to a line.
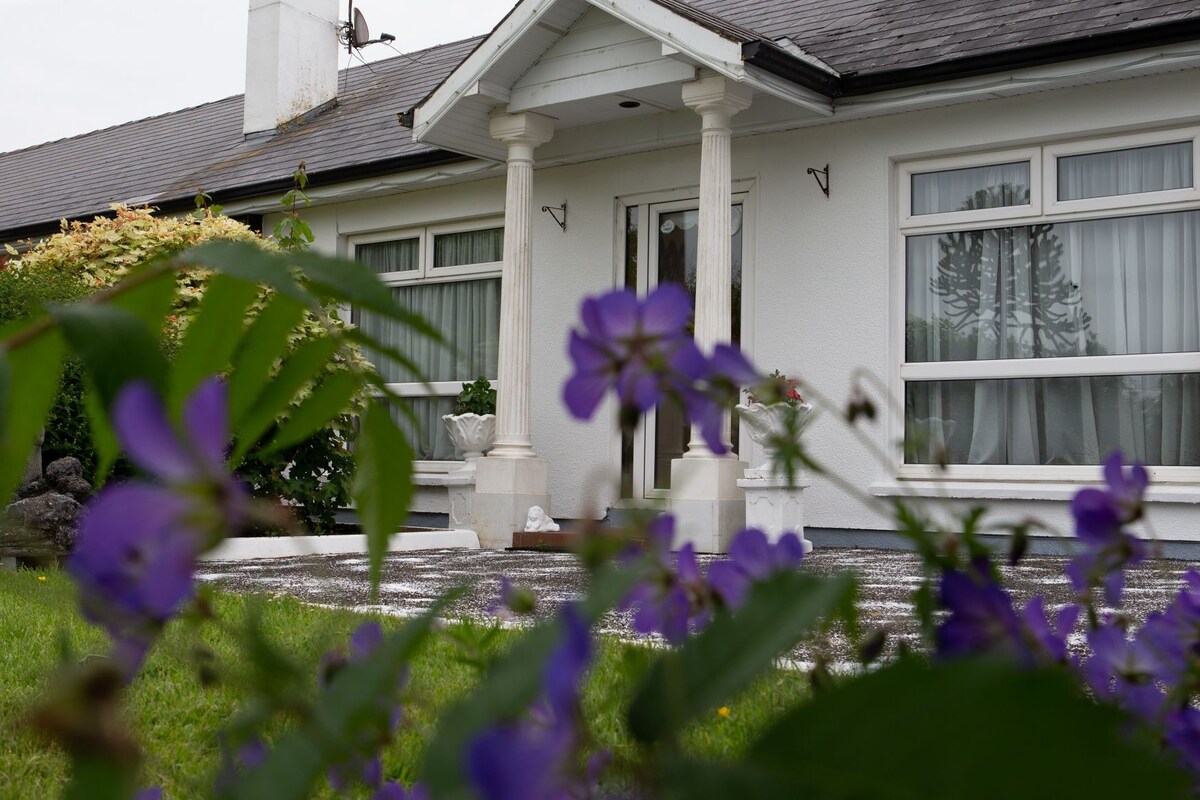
1140 169
468 247
468 315
1097 287
400 255
991 186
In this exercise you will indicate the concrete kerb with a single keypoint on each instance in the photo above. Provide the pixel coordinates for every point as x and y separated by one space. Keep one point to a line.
247 548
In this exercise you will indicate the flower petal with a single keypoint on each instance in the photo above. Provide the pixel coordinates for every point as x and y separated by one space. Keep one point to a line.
142 426
666 311
206 415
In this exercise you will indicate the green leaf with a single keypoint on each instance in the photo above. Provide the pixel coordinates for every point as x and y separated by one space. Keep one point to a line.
382 483
115 346
149 299
328 400
29 378
300 367
512 683
733 650
263 345
103 437
212 335
972 728
250 263
357 336
95 777
300 757
352 282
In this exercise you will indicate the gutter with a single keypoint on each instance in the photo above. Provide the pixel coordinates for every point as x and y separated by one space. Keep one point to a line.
278 186
769 56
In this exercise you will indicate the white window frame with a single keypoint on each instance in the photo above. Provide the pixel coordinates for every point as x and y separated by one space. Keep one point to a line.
426 273
1124 202
909 221
1044 207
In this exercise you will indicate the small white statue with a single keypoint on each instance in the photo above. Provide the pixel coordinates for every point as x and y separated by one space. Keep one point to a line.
537 521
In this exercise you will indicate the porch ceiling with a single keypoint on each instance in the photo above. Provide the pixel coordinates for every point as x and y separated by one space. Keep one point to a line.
578 61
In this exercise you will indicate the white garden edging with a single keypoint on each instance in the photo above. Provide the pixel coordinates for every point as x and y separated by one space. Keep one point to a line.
242 549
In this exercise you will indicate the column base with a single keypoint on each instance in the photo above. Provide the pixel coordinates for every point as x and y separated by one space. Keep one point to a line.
505 488
709 507
774 507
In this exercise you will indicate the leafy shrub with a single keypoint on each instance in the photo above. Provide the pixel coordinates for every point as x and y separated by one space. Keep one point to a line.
476 398
85 257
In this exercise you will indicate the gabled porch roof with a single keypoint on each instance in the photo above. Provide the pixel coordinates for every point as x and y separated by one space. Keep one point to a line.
586 62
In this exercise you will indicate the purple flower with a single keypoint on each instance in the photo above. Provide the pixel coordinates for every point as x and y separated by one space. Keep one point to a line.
639 347
675 598
512 601
1100 518
1122 670
1183 736
138 541
536 758
752 558
365 767
982 620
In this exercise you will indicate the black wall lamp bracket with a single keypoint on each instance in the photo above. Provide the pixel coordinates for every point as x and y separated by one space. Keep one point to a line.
562 223
818 173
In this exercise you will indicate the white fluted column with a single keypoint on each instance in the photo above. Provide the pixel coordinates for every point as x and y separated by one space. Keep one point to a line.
709 507
512 478
716 100
521 133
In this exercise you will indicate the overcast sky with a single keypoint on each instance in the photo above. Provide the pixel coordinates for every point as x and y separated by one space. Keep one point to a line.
72 66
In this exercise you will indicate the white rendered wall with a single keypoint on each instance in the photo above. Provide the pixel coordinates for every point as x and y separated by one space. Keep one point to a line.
822 284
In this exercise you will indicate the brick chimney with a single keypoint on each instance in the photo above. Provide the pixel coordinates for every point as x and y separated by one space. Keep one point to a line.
291 60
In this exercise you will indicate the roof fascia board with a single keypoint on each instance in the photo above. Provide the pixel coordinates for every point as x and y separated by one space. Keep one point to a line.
1116 66
1022 57
523 18
784 89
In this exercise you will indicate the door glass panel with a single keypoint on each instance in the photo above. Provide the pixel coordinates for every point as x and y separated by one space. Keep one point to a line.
677 243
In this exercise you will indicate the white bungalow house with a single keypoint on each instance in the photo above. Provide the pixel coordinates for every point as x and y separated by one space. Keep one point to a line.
989 212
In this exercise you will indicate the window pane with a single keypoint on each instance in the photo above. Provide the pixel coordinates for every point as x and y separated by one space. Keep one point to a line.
972 188
1154 419
468 247
428 436
1099 287
468 315
1139 169
400 255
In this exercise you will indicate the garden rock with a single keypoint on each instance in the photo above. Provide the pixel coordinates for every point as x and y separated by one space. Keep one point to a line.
39 526
65 475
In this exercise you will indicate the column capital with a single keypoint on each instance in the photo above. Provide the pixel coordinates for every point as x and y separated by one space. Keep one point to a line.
525 128
716 94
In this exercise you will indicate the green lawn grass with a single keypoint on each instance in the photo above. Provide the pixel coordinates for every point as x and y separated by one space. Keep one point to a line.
176 717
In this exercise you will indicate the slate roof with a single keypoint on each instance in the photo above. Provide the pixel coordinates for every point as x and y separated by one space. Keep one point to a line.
873 35
165 160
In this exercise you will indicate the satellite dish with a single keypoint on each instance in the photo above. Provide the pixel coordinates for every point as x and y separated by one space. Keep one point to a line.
355 34
362 34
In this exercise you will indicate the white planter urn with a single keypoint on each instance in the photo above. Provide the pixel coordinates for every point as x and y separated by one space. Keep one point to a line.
767 424
471 433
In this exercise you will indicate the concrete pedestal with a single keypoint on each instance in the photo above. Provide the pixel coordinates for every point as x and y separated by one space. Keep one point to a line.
709 508
460 486
505 488
773 506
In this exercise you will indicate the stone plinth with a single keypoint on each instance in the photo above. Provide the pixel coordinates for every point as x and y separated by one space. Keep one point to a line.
709 508
505 488
773 506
